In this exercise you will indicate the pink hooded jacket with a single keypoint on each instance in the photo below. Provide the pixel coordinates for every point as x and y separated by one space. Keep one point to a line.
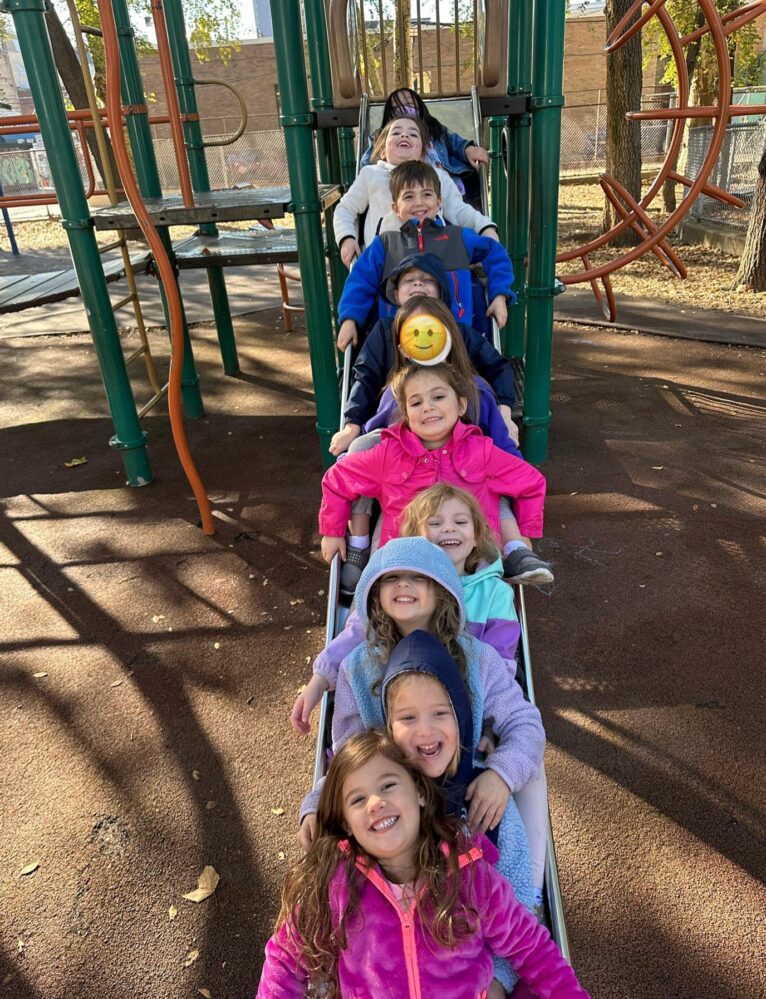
400 467
390 957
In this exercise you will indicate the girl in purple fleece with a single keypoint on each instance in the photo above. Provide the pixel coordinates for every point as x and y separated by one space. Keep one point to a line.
394 900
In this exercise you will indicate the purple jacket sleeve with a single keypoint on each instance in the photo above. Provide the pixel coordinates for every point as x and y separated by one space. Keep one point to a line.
284 974
516 722
492 423
329 659
511 931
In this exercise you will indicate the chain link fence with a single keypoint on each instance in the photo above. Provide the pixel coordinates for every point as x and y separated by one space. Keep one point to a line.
736 170
256 158
583 136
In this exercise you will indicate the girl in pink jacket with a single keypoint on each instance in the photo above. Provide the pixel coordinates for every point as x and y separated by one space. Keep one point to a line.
431 445
394 900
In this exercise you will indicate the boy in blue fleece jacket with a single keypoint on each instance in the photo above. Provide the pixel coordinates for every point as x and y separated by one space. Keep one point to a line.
416 200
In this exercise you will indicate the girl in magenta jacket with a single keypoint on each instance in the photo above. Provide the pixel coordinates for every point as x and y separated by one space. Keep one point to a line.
393 900
431 445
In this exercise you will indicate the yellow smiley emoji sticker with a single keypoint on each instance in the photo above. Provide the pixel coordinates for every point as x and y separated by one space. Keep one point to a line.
425 339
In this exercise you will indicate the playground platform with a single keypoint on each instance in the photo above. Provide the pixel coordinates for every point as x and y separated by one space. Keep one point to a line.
148 670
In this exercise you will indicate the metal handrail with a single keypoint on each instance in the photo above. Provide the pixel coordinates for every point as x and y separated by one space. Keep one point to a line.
552 887
227 140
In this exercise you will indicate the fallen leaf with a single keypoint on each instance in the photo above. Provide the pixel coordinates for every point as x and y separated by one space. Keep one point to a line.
172 913
190 958
195 774
658 553
216 645
20 945
205 993
40 675
157 618
696 506
714 506
210 805
75 461
642 586
116 683
320 593
281 855
207 883
29 869
657 468
265 582
294 603
277 811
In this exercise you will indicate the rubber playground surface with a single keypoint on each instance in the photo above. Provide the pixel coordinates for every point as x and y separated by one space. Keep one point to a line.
148 671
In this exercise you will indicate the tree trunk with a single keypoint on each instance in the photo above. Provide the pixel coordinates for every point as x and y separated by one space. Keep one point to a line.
624 77
68 66
692 55
752 266
402 55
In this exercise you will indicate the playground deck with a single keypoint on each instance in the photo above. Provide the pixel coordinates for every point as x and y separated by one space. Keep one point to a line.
148 671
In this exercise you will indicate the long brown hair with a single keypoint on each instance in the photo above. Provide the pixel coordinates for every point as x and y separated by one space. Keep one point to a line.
379 146
383 635
429 502
458 356
306 908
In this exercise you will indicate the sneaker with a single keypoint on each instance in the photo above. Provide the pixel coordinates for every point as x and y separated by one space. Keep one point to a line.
523 566
353 567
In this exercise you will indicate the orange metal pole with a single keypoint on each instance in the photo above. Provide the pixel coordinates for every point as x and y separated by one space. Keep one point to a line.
171 95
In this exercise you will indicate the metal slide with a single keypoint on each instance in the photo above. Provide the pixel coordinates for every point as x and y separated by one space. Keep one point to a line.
338 607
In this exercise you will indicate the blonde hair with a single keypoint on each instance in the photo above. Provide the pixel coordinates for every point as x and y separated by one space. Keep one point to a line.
397 685
458 356
429 502
305 909
383 635
379 146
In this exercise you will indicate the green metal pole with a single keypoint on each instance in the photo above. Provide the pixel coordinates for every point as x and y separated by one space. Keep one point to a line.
497 178
35 47
296 121
347 156
328 153
519 82
547 78
142 148
187 101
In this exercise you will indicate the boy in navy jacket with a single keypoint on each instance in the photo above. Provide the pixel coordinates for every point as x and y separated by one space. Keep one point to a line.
416 200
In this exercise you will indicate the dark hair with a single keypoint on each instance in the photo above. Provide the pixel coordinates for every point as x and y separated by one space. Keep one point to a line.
458 356
379 144
404 97
446 916
413 173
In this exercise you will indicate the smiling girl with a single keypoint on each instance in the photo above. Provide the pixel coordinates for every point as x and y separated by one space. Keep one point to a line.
393 899
431 445
402 140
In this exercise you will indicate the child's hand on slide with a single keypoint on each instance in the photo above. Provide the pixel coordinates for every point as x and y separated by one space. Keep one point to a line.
476 155
513 430
498 308
300 716
307 831
343 438
346 334
489 796
349 251
332 545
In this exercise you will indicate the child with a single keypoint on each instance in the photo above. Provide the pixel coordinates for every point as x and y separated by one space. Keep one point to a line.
401 141
431 445
393 899
415 190
458 156
417 276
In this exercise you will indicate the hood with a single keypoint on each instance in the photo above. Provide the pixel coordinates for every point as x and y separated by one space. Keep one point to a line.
421 652
485 571
409 555
427 262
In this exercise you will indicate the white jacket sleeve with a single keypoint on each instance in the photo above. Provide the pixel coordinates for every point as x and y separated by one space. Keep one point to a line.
351 205
454 209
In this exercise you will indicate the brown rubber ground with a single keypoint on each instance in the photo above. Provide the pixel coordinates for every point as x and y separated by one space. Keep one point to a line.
157 741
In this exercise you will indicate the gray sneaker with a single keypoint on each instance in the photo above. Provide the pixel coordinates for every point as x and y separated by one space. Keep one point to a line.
353 567
523 566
